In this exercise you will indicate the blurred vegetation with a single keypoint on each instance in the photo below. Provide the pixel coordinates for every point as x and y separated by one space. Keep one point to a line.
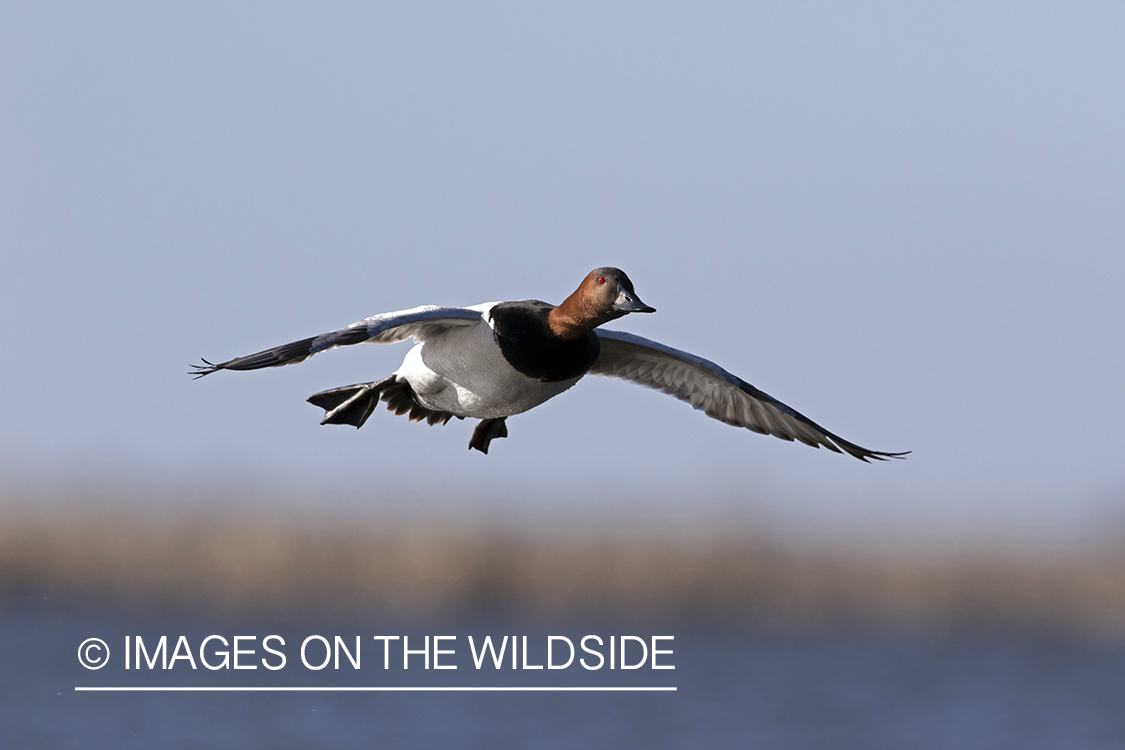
252 559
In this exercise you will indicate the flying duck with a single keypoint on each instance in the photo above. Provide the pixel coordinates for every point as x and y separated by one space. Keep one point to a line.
497 359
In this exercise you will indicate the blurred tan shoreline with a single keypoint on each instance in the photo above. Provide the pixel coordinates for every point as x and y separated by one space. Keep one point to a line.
248 559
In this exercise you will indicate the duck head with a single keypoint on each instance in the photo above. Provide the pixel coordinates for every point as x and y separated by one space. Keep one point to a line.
604 295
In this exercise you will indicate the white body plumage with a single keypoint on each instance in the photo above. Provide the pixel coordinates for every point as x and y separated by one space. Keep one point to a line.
463 372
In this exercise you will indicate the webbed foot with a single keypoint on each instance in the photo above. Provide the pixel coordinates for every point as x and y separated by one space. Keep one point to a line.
486 431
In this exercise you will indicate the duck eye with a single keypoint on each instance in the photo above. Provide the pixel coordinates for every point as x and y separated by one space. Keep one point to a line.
601 279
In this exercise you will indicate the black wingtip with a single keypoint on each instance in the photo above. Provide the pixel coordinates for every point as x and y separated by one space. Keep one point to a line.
204 369
863 454
881 456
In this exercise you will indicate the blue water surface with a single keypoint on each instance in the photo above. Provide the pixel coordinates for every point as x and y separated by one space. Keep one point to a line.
737 687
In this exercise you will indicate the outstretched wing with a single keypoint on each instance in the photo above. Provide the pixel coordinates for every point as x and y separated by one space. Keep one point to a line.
718 393
387 328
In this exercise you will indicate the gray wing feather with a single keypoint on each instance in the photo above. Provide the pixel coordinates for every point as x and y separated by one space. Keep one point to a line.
386 328
718 393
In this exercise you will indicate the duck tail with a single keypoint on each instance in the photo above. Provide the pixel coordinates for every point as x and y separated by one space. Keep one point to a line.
350 404
353 404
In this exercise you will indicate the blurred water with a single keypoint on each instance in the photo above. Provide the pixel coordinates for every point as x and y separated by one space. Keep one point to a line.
736 688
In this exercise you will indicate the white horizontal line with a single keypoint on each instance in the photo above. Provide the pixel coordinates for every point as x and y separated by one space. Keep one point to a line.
380 689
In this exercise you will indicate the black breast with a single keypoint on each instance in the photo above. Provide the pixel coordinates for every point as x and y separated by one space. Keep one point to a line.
526 341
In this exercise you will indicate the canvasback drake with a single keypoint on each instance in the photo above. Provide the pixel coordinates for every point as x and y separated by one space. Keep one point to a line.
498 359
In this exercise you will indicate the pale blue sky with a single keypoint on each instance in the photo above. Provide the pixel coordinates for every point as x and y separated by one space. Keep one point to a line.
906 223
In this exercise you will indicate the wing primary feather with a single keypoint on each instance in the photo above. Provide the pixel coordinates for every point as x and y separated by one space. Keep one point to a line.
286 354
387 328
719 394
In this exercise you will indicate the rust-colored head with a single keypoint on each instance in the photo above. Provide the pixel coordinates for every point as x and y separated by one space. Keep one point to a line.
604 295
